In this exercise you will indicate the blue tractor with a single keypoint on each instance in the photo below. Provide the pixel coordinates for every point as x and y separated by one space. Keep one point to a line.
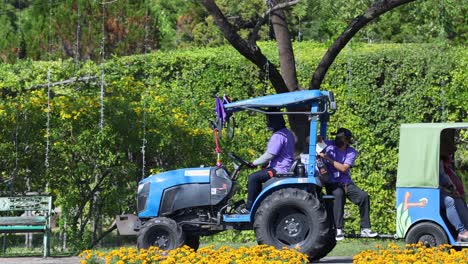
177 207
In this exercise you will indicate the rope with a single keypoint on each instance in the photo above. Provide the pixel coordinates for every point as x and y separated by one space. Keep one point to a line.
18 33
77 44
145 95
49 44
267 76
46 162
15 171
85 79
47 149
218 149
103 39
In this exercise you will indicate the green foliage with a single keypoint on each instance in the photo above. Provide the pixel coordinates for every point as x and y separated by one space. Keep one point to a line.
74 29
41 29
93 172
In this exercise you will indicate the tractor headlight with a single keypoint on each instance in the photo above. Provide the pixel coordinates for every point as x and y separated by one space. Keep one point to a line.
142 197
140 187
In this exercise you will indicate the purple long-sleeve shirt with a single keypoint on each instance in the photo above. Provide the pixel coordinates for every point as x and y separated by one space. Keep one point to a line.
347 156
281 145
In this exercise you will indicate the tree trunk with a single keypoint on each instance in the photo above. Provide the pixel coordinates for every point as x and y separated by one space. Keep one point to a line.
298 123
252 53
358 22
285 49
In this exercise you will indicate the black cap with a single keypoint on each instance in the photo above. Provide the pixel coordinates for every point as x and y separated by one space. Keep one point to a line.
344 133
275 121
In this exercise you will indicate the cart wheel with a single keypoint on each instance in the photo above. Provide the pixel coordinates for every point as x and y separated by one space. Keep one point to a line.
430 234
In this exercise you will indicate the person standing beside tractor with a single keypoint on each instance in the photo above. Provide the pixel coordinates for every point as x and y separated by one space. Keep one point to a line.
279 156
340 158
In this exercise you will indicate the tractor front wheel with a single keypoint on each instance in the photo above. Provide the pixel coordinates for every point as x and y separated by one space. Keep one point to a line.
293 218
160 232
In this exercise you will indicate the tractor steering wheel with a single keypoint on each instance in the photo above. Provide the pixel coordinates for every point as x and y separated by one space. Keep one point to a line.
238 160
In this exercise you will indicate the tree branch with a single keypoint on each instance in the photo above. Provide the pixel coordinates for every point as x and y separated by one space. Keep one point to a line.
252 53
254 34
108 231
90 195
377 9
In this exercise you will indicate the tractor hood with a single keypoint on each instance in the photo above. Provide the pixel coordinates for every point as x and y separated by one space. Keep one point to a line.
181 176
151 190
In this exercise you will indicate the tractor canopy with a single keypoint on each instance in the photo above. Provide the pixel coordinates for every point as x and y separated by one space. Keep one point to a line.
308 102
419 153
297 99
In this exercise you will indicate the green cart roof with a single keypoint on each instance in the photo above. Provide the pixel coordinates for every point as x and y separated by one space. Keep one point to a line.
419 151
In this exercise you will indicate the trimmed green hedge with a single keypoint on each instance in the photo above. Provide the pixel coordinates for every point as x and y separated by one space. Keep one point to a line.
377 87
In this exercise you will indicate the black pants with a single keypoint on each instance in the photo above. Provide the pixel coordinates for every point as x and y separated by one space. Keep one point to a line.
254 186
356 196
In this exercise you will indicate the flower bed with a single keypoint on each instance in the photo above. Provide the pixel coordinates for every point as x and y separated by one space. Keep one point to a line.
415 253
186 255
412 253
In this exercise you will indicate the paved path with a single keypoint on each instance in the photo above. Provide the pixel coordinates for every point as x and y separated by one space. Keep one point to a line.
76 260
336 260
39 260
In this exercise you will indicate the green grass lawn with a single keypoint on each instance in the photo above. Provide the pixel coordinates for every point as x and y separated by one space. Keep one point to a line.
346 247
352 246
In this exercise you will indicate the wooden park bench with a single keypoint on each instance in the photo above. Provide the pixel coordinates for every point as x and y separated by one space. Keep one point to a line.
40 223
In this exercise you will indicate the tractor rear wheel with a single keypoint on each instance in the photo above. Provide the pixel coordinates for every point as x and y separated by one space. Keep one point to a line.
293 218
160 232
430 234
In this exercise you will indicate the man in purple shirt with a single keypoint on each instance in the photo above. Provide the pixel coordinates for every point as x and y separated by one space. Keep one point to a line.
340 157
279 156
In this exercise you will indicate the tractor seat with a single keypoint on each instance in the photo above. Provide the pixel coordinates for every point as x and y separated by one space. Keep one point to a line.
292 171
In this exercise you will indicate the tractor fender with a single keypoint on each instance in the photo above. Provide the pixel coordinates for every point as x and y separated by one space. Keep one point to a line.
281 183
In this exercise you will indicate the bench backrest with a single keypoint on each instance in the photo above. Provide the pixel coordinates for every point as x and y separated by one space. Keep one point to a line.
26 203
